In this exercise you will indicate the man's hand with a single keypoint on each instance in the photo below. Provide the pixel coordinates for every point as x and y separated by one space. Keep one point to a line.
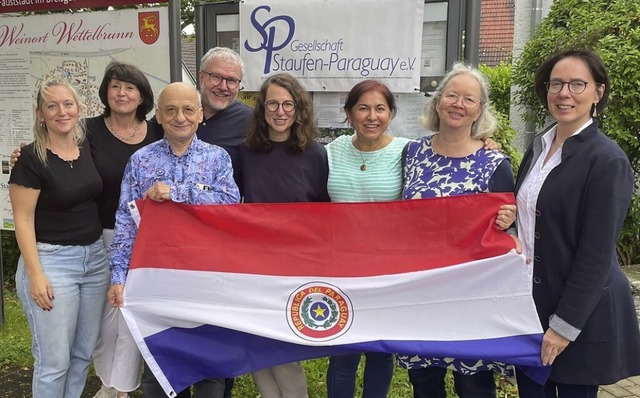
116 296
159 192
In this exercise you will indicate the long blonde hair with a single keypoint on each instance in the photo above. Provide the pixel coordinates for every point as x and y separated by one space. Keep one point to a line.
40 132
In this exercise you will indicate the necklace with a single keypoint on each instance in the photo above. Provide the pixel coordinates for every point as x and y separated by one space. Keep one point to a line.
136 124
363 166
70 163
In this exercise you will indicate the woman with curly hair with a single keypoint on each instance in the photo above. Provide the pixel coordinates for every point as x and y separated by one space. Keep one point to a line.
282 162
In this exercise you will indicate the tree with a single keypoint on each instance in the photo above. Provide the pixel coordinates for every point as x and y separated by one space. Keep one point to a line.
612 29
187 13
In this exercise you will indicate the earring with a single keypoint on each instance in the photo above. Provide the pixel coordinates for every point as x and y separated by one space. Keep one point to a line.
42 125
594 113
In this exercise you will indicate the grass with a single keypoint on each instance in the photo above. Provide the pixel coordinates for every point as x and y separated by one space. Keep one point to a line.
15 337
15 350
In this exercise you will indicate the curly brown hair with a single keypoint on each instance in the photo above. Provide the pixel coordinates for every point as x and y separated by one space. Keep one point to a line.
304 129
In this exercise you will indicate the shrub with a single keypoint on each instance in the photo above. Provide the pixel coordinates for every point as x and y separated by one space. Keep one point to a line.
500 81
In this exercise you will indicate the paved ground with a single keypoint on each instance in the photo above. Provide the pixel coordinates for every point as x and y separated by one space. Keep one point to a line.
628 388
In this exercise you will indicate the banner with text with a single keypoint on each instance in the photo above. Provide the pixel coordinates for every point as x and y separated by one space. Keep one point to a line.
331 45
77 47
42 5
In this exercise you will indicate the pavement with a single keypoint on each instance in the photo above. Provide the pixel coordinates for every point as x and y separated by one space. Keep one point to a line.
627 388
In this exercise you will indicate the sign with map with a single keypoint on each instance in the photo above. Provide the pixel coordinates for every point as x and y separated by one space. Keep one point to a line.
77 47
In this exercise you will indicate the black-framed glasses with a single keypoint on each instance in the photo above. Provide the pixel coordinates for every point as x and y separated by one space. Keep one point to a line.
273 105
452 98
575 86
216 79
172 111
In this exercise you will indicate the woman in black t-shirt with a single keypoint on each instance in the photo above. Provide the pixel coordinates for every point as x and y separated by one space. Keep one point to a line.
63 273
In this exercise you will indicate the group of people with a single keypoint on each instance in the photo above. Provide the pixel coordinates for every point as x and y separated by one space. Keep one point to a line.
75 227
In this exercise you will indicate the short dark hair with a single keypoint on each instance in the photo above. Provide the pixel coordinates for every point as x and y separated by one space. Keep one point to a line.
368 85
304 129
590 58
130 74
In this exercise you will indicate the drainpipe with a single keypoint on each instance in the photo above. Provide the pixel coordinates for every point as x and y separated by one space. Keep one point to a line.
472 32
175 42
536 18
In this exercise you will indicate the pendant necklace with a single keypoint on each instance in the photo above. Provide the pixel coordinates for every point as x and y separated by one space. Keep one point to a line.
70 163
363 166
136 124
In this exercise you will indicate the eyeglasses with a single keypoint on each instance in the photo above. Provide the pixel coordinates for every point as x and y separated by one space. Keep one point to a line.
187 111
216 79
273 105
575 86
452 98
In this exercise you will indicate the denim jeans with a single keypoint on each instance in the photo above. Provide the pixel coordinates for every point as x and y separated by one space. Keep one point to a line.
64 338
528 388
341 375
429 383
208 388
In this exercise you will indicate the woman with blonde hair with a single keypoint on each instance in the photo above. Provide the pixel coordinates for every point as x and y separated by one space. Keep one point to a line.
63 273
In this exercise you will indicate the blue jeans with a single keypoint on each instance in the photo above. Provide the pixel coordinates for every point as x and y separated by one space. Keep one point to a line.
341 375
528 388
64 338
429 383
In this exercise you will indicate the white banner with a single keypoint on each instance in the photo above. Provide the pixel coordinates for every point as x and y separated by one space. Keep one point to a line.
78 47
330 45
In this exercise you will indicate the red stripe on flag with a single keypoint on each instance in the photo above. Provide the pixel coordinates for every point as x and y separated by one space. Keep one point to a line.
321 239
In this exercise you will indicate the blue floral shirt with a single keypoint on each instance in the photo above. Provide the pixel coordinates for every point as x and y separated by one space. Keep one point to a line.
202 175
427 175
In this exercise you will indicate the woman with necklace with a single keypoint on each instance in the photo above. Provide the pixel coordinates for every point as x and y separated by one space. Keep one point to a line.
365 167
63 273
113 137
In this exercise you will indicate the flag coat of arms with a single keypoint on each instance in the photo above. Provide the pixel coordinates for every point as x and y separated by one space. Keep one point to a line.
224 290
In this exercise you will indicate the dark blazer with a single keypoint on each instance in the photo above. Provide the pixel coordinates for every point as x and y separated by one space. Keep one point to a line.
579 214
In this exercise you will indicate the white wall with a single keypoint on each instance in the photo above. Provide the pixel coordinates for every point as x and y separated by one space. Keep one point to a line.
524 12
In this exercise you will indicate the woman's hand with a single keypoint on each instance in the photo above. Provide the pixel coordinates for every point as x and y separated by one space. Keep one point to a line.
41 291
506 216
552 345
116 296
491 145
518 245
16 154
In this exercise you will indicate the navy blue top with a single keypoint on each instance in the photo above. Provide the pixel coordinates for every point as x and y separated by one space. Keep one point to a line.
279 176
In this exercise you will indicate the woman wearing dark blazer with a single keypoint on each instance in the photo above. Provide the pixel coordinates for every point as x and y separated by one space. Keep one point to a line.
573 191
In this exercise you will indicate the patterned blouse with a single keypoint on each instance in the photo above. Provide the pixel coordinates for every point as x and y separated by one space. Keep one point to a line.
428 174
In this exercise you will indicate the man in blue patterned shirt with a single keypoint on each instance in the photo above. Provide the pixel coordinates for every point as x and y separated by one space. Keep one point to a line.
180 167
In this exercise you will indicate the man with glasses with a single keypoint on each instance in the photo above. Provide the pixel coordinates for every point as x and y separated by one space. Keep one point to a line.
225 118
192 171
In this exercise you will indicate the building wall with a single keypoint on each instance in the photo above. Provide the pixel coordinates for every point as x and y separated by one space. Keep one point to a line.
524 12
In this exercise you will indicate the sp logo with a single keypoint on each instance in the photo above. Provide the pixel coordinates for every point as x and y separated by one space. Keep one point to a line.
272 32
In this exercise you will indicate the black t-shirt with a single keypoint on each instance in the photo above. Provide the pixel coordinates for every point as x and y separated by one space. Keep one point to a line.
66 212
110 156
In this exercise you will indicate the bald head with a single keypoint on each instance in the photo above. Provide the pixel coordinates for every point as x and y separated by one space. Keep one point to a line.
180 113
